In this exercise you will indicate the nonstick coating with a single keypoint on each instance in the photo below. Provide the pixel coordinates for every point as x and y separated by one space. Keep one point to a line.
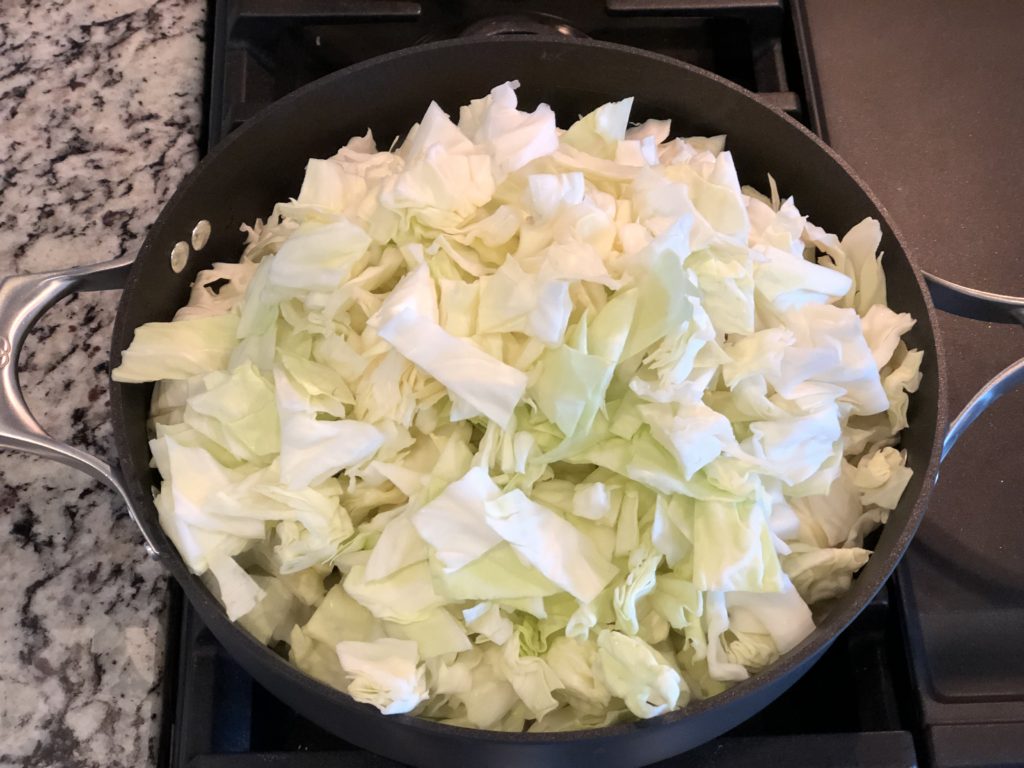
263 162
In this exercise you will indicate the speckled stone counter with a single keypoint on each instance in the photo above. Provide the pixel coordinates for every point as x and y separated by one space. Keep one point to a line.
99 116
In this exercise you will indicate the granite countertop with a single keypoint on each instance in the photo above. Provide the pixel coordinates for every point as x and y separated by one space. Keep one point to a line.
99 116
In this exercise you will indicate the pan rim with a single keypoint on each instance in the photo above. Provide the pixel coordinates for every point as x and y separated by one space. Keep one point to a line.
830 626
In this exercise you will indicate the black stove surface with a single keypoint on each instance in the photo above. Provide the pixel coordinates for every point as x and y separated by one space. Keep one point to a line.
906 684
927 107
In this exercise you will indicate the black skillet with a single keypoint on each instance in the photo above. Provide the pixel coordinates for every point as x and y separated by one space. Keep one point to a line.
263 162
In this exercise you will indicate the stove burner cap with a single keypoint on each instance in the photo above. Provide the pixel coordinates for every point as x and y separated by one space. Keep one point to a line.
522 24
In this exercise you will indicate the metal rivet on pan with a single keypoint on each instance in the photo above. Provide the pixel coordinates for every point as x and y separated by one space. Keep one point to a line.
179 256
200 235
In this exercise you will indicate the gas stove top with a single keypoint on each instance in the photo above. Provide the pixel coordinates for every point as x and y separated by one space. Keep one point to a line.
919 96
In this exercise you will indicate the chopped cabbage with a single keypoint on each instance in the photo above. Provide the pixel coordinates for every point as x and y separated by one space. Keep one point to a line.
385 673
522 428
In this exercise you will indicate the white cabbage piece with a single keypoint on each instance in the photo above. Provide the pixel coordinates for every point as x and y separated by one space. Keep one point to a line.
822 573
599 132
640 582
319 660
399 545
177 350
339 617
899 384
404 597
384 673
237 410
313 449
783 615
631 670
882 477
693 433
789 281
487 384
439 634
551 544
445 177
499 575
575 659
883 329
455 523
510 137
218 290
531 677
318 258
239 591
487 620
512 300
274 616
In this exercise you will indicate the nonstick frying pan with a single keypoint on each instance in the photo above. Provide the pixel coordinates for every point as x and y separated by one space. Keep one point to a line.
263 162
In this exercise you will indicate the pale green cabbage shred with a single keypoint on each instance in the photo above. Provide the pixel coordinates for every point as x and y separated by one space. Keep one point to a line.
520 428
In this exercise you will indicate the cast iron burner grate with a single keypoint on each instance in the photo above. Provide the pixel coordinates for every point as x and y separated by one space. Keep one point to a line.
264 49
849 710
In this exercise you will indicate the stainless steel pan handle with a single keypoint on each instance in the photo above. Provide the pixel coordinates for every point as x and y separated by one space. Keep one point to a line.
988 307
23 300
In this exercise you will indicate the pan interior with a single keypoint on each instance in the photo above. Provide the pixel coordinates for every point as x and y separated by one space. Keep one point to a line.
263 162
